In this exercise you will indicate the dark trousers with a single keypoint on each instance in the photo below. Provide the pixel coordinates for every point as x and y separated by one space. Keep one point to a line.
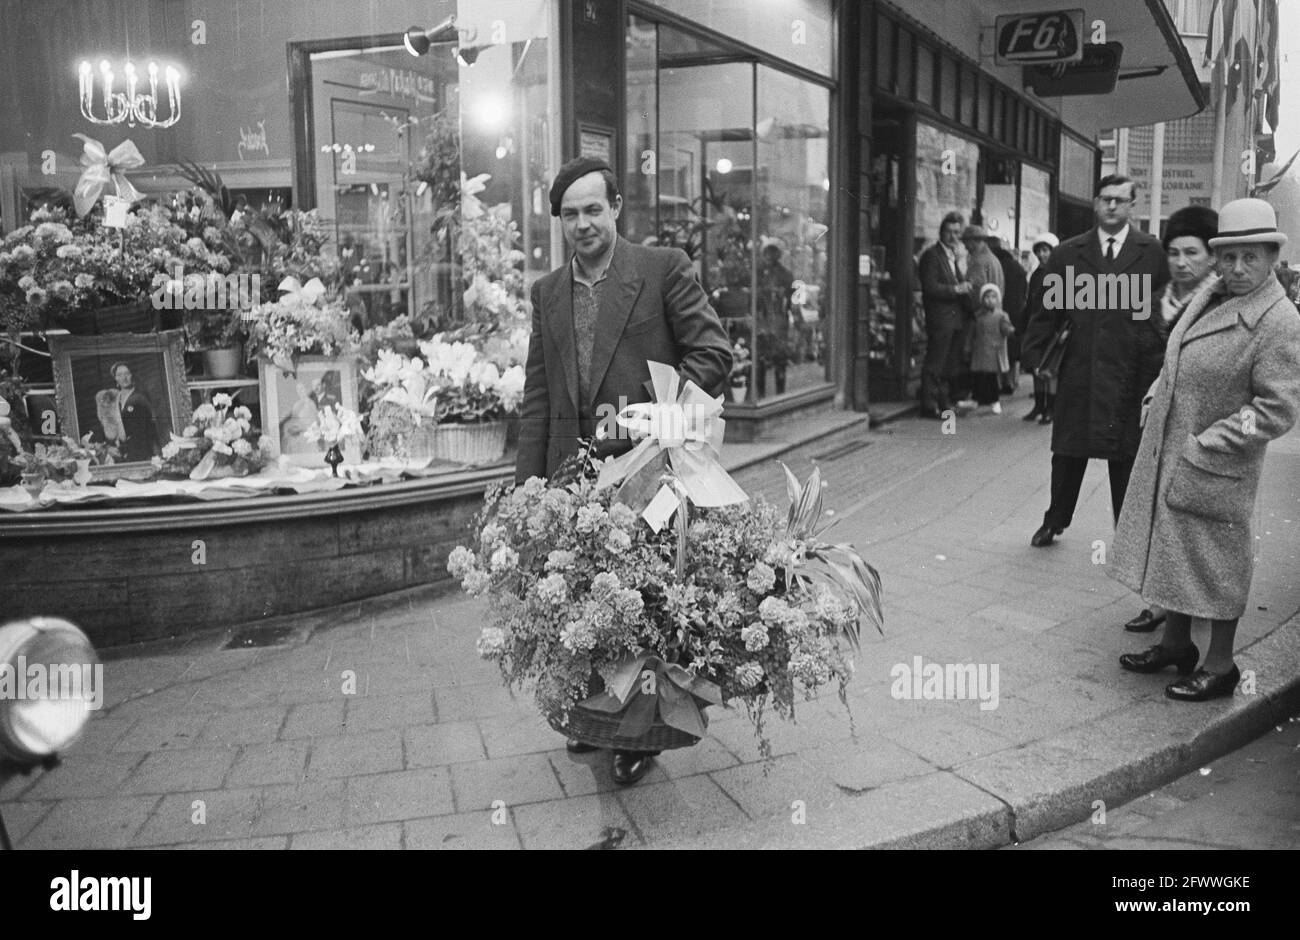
1067 477
984 386
936 373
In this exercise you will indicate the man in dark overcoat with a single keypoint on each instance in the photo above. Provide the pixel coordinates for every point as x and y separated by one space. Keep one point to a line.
1106 283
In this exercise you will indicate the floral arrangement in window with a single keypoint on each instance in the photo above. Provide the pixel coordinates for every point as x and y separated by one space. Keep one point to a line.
335 426
221 442
302 322
452 384
58 462
58 264
579 584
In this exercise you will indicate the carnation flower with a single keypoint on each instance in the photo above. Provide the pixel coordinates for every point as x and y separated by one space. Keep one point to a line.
617 541
62 290
243 414
590 518
460 561
23 253
82 280
242 448
558 559
491 535
504 559
577 637
762 578
754 637
628 603
774 611
622 515
749 675
190 431
26 282
491 642
68 251
476 582
222 400
605 584
553 588
223 448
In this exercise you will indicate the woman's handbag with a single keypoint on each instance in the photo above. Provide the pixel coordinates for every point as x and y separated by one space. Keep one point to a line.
1049 367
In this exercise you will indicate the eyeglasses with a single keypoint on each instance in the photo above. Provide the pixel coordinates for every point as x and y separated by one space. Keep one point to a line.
1114 200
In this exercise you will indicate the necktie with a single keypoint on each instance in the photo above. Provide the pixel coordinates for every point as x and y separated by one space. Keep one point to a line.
1110 249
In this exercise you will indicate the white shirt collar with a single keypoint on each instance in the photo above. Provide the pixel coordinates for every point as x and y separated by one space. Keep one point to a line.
1120 237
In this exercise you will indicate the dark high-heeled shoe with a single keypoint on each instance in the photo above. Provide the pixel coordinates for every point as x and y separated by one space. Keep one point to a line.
1157 658
1204 685
1144 622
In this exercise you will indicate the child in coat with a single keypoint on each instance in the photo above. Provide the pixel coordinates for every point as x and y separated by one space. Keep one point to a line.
988 349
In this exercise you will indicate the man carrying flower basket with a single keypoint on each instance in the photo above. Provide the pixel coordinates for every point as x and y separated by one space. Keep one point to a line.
597 321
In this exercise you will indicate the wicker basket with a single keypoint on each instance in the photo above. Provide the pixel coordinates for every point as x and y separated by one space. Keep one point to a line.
601 728
460 443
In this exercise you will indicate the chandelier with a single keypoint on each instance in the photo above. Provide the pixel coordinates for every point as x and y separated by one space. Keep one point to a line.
132 106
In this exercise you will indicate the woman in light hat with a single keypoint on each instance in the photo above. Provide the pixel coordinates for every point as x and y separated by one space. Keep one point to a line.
1230 384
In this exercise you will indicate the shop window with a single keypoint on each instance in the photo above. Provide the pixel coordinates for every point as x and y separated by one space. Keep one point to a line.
986 106
969 89
797 31
741 153
949 89
1035 204
946 166
904 75
885 29
1078 168
925 69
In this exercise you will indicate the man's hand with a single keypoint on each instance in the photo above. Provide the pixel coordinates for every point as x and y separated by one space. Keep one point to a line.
964 287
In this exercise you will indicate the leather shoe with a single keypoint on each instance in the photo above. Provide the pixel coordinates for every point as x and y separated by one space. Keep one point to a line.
1204 685
1144 622
1031 416
1045 419
1044 535
1157 658
631 766
574 746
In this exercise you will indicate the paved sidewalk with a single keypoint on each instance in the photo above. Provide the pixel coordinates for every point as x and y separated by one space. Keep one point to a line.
376 726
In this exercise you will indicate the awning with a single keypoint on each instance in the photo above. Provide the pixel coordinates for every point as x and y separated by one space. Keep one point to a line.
1157 80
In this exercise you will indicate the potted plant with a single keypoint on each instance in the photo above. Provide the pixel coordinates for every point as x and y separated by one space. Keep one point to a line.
449 404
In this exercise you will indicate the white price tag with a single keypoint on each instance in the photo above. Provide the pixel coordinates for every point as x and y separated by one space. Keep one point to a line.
115 211
661 508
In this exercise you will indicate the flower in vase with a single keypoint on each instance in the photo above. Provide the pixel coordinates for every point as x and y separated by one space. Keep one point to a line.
749 675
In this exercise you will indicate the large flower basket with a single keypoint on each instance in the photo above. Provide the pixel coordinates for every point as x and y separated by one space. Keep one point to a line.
459 443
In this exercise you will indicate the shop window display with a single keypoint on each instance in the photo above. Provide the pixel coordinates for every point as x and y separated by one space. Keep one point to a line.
385 199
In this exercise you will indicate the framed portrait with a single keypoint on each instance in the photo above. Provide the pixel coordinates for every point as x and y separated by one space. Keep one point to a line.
124 389
291 403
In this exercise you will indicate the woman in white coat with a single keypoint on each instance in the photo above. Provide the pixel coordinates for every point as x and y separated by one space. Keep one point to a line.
1230 384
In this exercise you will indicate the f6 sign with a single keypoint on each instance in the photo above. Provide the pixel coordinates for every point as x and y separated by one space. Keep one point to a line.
1040 38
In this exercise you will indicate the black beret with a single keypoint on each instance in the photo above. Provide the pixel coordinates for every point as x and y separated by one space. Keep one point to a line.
1198 221
569 174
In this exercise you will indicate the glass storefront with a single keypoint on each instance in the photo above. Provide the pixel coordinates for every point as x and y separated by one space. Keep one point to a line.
729 159
428 172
